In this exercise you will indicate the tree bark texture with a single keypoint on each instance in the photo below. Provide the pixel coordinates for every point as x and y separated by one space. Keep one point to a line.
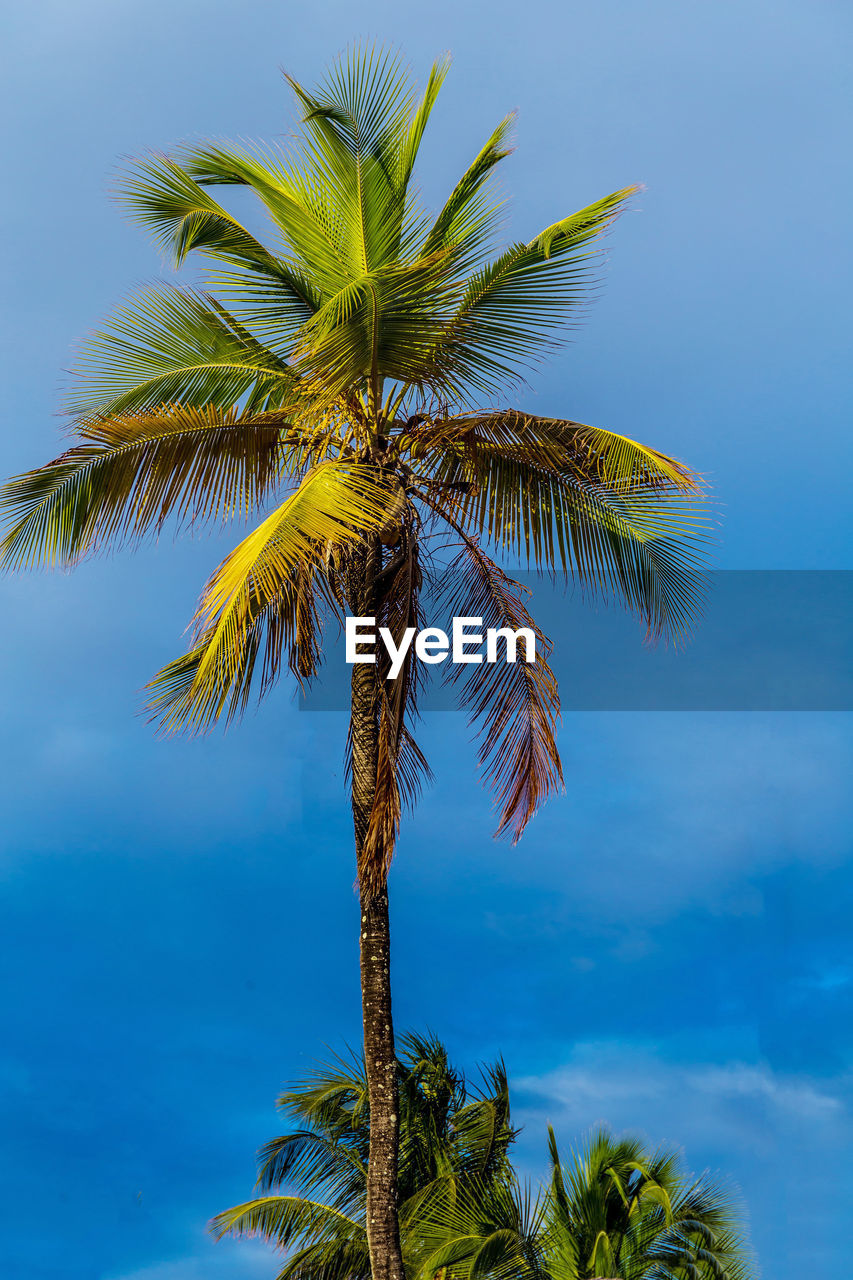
383 1232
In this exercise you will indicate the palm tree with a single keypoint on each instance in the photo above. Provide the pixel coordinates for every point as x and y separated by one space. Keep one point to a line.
617 1210
633 1213
331 385
449 1130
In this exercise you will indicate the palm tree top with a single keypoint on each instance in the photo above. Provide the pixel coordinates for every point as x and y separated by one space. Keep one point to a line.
336 384
449 1123
361 287
626 1211
312 1180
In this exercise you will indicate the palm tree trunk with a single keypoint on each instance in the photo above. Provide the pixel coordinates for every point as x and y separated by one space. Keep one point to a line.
383 1232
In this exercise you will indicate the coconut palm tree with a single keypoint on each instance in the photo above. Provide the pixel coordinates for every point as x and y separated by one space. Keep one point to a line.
449 1130
342 383
633 1213
616 1210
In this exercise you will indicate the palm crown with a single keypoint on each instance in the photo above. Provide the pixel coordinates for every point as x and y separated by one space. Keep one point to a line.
616 1209
313 1180
327 385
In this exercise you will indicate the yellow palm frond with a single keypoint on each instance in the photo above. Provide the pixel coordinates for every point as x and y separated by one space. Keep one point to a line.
334 506
284 632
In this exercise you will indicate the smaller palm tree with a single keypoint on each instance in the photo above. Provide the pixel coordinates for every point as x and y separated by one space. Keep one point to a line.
615 1211
623 1211
450 1131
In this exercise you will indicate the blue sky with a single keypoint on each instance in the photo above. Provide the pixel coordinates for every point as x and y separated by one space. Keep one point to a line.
668 949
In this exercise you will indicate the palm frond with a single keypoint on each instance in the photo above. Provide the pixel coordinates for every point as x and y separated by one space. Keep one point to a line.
182 216
284 1219
256 587
362 124
284 632
313 249
514 705
132 472
331 1099
315 1163
512 310
175 346
480 1229
418 121
335 504
626 519
483 1128
332 1260
467 216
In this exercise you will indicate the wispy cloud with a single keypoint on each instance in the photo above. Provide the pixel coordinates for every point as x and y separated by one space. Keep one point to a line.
702 1104
790 1097
245 1261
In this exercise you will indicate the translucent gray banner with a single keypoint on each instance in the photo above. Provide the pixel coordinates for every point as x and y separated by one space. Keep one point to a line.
768 640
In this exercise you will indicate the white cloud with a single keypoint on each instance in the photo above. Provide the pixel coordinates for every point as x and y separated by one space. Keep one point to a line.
790 1097
701 1104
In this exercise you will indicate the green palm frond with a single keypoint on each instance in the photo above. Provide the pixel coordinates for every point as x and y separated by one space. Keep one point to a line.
182 216
134 471
469 214
332 1098
627 520
513 309
284 1219
478 1229
174 346
315 1161
313 249
335 503
361 130
570 448
408 151
281 632
383 324
333 1260
483 1128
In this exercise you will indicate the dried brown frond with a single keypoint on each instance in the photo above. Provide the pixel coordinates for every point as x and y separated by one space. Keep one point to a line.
515 706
